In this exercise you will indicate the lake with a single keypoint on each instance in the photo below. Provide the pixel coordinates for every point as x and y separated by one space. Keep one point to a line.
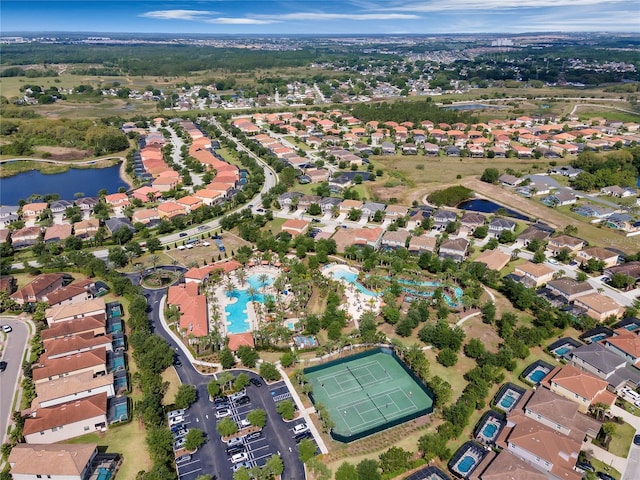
88 181
487 206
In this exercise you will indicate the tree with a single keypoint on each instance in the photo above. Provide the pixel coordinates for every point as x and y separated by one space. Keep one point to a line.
490 175
286 409
269 371
226 358
257 417
185 396
240 382
287 359
248 356
314 209
306 450
368 470
213 388
118 257
274 466
226 427
122 235
447 357
395 459
153 245
539 257
347 471
194 439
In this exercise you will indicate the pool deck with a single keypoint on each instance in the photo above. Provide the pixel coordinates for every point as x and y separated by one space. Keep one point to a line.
357 302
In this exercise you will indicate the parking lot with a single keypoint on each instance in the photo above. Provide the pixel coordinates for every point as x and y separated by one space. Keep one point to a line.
277 438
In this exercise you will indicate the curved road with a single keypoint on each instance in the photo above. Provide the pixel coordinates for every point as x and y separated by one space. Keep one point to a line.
15 346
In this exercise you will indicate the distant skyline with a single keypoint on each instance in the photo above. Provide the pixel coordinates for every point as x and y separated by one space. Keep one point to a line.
320 17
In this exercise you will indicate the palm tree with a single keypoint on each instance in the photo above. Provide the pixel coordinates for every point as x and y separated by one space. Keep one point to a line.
229 287
264 278
241 275
154 259
252 293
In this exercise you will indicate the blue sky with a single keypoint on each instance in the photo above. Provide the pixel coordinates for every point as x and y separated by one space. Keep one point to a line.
320 16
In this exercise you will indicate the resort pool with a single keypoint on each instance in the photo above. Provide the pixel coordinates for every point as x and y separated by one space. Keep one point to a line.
466 464
489 430
351 277
507 401
237 318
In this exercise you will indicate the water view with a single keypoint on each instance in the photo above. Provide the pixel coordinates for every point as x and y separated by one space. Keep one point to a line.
87 181
487 206
471 106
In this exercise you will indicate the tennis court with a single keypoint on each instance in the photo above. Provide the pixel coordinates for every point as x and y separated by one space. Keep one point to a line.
367 393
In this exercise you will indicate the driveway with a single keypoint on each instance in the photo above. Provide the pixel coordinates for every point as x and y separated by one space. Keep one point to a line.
13 353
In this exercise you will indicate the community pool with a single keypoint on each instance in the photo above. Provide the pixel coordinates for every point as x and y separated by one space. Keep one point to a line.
351 277
237 318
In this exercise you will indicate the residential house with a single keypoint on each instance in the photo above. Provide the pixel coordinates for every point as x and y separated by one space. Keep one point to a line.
564 414
287 199
317 174
369 209
452 151
630 269
63 313
146 194
34 210
237 340
534 233
25 237
409 149
119 201
60 206
295 226
471 220
565 242
190 203
7 284
419 217
57 232
194 320
8 215
55 461
74 344
74 293
569 289
454 248
71 388
209 197
421 243
146 216
116 223
38 288
522 152
442 218
347 205
599 306
93 361
560 198
388 148
507 466
494 259
605 364
626 344
567 171
86 229
328 204
171 209
393 240
618 192
393 212
431 149
623 222
591 210
68 420
199 275
166 181
580 387
510 180
609 257
534 274
368 236
95 325
498 225
307 200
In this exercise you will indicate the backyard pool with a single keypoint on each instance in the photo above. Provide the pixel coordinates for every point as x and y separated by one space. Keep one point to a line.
489 430
466 464
537 375
562 350
237 318
507 401
103 474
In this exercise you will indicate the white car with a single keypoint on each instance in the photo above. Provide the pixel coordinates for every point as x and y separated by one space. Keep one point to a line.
223 412
175 413
7 328
301 427
176 420
240 457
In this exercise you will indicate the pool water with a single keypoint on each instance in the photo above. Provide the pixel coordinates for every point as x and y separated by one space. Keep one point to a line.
537 375
562 350
121 412
353 279
631 327
489 430
597 338
466 463
117 363
237 311
120 382
104 473
507 401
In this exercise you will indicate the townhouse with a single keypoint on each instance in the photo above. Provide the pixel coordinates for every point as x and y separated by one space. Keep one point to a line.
72 388
92 361
54 461
605 364
63 313
71 345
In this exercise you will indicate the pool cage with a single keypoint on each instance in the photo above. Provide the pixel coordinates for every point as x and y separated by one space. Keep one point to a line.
466 459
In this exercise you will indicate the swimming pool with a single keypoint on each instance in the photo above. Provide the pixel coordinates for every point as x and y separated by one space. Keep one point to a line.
537 375
237 318
507 401
117 363
120 412
597 338
120 382
103 474
489 430
562 350
465 465
351 277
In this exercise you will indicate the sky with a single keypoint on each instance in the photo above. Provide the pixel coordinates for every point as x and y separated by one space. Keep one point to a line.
320 17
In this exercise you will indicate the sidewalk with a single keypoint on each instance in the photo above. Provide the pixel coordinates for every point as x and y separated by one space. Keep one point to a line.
305 412
605 457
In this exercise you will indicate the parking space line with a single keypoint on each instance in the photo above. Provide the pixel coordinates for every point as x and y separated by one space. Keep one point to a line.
192 471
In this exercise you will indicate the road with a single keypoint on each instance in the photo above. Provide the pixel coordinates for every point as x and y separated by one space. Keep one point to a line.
16 343
211 456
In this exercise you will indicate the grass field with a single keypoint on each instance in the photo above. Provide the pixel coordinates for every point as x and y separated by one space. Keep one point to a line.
621 440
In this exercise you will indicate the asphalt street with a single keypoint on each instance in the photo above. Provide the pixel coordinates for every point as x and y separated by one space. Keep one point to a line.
211 458
15 346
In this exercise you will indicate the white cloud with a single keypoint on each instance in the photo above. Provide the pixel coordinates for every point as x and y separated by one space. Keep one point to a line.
320 16
463 5
241 21
177 14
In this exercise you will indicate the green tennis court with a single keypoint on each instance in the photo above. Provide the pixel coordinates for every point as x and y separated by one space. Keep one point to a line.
367 393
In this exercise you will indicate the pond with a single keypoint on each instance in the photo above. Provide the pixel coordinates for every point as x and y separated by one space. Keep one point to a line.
487 206
66 184
471 106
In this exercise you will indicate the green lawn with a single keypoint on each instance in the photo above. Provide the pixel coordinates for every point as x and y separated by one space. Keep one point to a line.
621 440
628 407
603 467
127 440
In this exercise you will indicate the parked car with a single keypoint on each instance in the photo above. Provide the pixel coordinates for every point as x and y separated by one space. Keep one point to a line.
604 476
244 423
176 420
239 457
234 396
180 433
243 400
235 441
223 412
255 381
254 435
300 428
240 465
3 366
235 449
636 440
7 328
221 401
183 234
178 444
176 428
587 467
183 459
301 436
175 413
